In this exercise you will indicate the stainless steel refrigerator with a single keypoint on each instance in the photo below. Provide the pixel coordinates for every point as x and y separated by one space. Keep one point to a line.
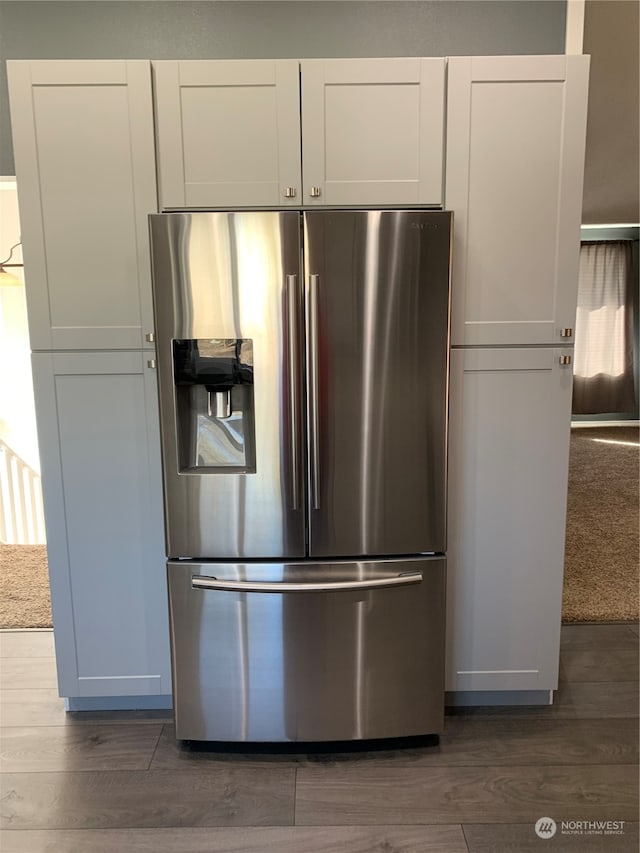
303 374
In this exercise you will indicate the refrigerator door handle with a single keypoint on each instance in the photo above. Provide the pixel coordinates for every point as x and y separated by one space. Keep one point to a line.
314 403
294 384
204 582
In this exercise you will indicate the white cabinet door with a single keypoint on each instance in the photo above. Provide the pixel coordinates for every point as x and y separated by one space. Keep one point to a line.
98 432
510 413
515 163
372 131
85 165
228 133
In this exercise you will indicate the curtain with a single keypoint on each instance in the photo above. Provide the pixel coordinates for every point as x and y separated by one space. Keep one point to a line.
603 375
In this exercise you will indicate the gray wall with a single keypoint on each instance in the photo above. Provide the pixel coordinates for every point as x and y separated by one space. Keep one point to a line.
192 30
611 175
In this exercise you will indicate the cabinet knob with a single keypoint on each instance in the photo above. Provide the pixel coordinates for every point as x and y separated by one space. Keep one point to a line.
152 363
565 359
566 333
289 192
150 337
315 192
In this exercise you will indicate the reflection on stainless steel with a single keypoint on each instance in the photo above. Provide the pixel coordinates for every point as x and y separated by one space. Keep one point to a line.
380 367
219 442
331 665
303 416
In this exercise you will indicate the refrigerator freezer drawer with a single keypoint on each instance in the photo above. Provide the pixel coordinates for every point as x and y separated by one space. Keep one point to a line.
307 651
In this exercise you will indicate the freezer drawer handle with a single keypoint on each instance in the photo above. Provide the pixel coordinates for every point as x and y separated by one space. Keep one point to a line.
204 582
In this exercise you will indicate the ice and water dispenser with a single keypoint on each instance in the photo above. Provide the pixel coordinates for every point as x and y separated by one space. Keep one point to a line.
215 404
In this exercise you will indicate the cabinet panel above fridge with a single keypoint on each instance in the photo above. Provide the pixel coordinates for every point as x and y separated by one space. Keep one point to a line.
228 132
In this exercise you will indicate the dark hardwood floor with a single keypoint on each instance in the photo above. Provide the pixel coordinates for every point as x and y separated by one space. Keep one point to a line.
105 783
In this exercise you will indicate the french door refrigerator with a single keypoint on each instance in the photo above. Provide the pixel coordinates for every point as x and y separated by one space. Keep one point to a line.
303 371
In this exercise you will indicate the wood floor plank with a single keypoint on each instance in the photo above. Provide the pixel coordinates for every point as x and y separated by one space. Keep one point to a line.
152 799
31 708
600 665
290 839
575 637
504 742
562 675
353 795
88 747
45 708
584 700
28 673
521 838
22 644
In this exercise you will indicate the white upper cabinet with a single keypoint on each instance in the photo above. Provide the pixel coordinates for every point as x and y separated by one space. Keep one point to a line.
228 133
85 165
515 163
372 131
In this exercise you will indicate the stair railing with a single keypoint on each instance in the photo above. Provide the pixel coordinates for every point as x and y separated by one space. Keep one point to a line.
21 514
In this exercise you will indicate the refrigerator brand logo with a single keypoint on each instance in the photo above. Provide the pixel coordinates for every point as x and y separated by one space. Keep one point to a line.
425 226
546 827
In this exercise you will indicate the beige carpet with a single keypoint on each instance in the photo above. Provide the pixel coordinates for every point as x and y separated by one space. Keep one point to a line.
24 587
601 560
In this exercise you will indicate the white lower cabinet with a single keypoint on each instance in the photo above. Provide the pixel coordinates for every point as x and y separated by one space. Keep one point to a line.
98 430
510 411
